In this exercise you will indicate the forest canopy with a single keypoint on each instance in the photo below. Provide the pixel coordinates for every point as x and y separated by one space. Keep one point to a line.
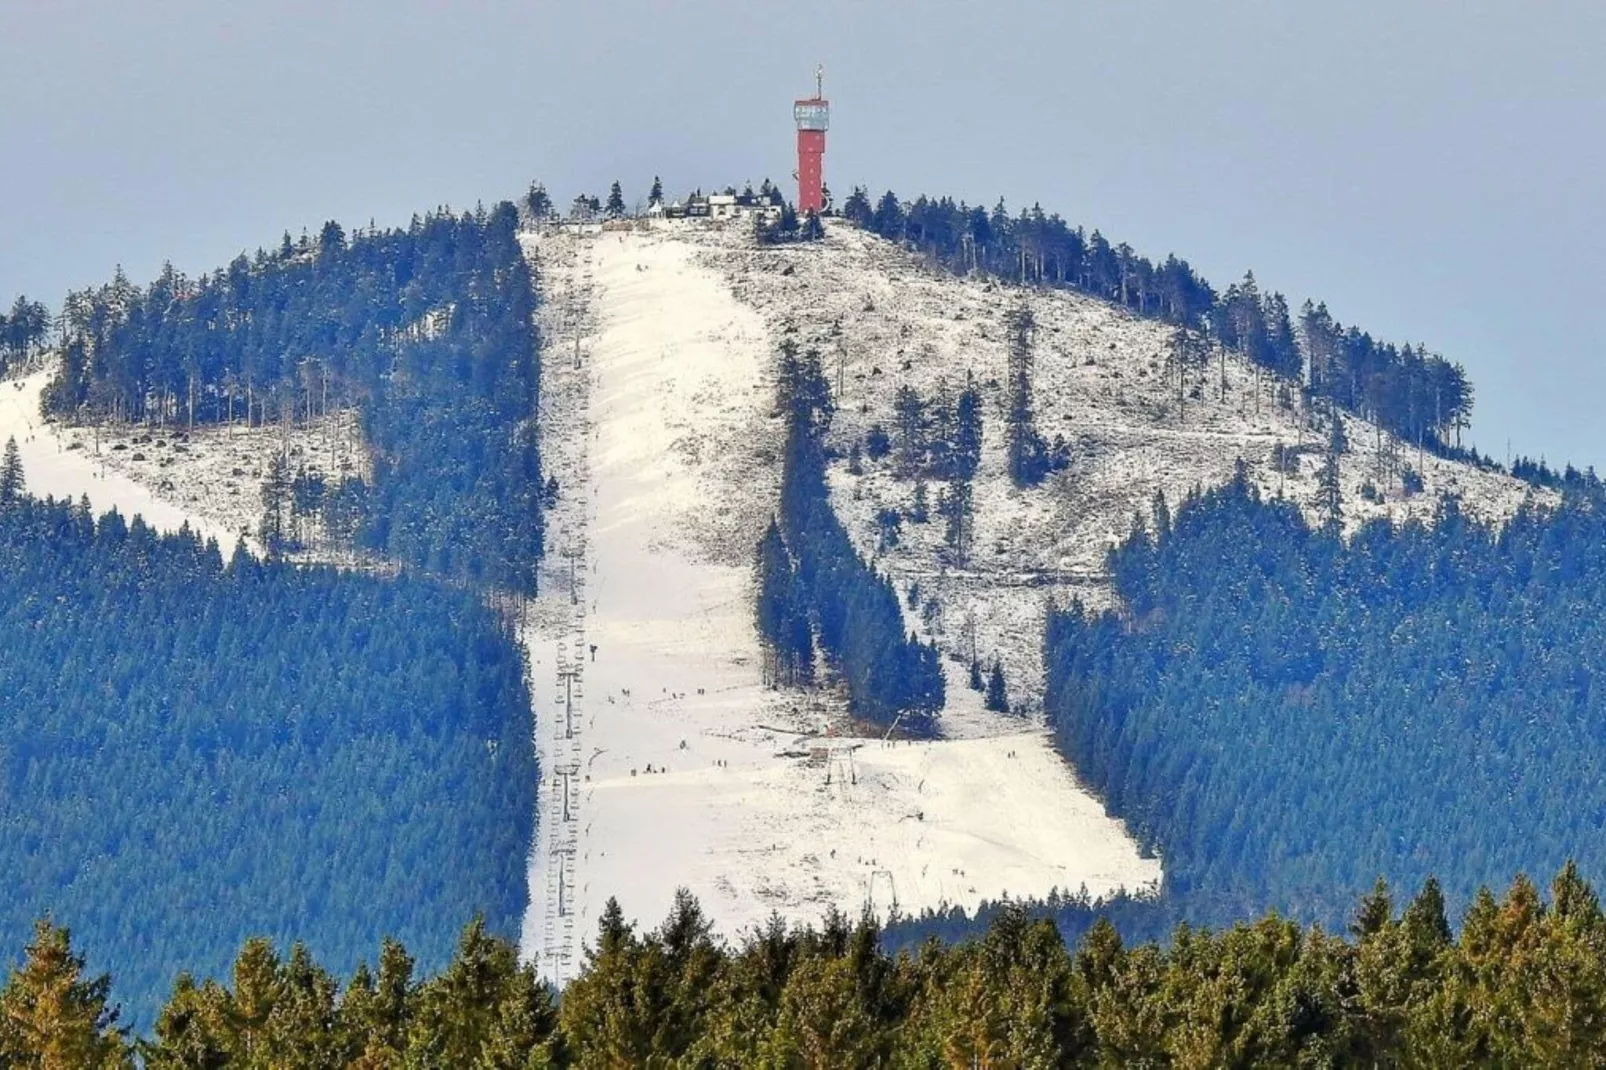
428 331
1285 715
1523 984
194 752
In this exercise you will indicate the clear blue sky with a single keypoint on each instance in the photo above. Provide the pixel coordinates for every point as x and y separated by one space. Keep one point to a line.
1431 169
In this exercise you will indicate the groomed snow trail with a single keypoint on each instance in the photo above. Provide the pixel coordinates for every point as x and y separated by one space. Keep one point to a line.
680 769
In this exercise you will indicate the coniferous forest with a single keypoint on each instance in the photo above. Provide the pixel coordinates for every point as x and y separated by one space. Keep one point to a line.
1286 715
193 752
812 583
428 331
200 756
1522 984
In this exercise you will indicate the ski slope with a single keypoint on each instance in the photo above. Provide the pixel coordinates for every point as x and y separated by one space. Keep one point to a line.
665 762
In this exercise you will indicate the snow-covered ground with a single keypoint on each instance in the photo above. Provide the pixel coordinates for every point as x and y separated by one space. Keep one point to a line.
64 463
881 318
210 478
678 767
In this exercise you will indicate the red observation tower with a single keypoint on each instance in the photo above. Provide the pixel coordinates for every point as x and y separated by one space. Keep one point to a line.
813 117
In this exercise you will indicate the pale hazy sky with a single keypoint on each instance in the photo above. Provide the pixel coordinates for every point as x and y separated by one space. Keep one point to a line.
1431 169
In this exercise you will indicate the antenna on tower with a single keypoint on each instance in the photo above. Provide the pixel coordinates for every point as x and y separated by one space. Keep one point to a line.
819 82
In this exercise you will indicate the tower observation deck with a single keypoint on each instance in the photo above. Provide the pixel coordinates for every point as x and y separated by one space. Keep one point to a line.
813 117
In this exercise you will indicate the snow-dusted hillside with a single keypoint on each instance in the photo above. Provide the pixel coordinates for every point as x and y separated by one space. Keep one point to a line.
665 761
674 766
210 478
882 319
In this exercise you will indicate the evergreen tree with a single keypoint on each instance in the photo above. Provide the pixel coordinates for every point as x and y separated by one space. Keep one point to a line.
538 202
997 698
782 617
911 440
967 430
615 208
857 210
276 490
1028 458
854 611
889 219
484 1010
956 507
1329 488
377 1012
656 196
11 481
52 1016
1419 396
192 1031
920 508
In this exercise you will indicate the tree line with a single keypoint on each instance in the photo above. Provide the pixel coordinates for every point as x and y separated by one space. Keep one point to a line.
1417 395
813 587
427 330
194 751
1283 714
23 333
1522 984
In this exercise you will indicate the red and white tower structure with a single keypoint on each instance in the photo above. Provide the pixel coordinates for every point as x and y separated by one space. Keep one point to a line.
813 117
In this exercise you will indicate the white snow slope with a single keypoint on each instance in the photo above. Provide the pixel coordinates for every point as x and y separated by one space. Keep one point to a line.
679 768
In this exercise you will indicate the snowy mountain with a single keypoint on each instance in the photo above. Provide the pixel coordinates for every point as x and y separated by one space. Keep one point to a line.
674 765
665 760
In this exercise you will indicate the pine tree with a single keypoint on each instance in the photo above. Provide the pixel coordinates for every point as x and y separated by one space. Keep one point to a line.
857 210
976 682
1189 350
191 1033
376 1012
258 984
1329 487
1162 515
782 618
967 430
956 507
538 202
11 481
656 196
920 507
51 1017
997 698
276 494
304 1027
889 220
911 413
1024 447
476 1011
615 208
